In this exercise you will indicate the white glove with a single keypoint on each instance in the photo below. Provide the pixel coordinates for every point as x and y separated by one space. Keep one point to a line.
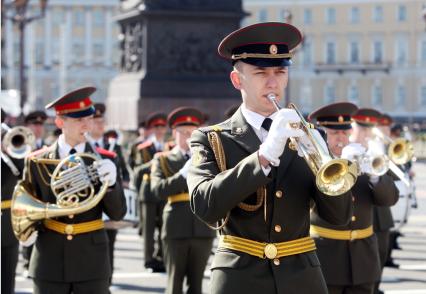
278 134
184 170
31 239
107 171
351 151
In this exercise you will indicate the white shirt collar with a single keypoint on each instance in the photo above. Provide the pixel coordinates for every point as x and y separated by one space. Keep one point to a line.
253 118
64 148
158 145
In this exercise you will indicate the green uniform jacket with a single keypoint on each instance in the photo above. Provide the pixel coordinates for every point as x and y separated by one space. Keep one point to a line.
355 262
85 257
214 193
178 220
8 182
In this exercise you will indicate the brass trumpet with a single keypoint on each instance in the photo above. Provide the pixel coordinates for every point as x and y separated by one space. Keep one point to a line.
400 150
18 141
72 183
333 176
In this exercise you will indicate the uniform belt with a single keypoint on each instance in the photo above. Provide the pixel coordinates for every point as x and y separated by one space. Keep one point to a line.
342 234
178 198
267 250
73 229
5 204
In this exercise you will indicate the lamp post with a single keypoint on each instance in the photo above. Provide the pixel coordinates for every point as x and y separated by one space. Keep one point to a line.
16 11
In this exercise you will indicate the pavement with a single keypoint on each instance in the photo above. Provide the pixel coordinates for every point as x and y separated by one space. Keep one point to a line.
410 278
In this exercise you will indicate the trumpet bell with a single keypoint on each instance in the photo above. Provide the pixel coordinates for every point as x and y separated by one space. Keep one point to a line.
336 177
401 151
19 142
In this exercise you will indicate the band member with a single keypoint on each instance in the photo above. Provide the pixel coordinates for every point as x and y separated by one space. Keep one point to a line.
348 253
11 172
152 207
70 254
244 172
187 241
35 122
135 158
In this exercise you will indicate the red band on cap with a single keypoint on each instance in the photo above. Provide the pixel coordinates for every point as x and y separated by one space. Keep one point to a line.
365 119
158 122
186 119
74 106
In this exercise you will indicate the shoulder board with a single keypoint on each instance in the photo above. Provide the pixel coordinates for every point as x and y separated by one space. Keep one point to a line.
144 145
38 152
162 153
105 152
223 126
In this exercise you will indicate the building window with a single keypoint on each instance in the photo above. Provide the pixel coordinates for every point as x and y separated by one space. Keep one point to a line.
330 16
78 53
401 51
378 52
98 52
402 13
39 52
98 17
285 15
58 17
353 94
400 97
423 51
354 15
307 16
330 53
354 52
423 96
377 96
263 15
378 14
330 94
78 17
307 53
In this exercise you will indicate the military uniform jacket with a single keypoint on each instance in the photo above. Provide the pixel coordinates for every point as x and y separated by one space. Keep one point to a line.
85 257
178 220
8 182
122 166
142 173
214 193
355 262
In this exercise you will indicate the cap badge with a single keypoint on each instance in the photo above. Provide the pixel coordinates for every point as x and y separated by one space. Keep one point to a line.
273 49
367 119
81 104
188 118
340 119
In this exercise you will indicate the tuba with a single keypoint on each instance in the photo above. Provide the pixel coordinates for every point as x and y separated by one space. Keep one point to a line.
400 150
18 141
332 176
73 184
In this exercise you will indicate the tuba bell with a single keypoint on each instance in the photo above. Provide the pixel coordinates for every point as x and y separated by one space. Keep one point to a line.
18 141
73 184
400 150
333 176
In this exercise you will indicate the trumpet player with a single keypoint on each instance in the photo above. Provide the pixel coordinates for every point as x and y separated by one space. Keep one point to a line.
11 172
248 183
70 254
348 253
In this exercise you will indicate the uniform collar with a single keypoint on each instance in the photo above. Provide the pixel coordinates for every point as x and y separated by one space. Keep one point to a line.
254 119
64 148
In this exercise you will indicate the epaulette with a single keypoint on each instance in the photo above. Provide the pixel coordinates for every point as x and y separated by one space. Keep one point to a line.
216 128
38 152
162 153
105 152
144 145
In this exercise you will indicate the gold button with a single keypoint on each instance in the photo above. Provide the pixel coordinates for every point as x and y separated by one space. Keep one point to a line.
69 237
277 228
279 194
270 251
71 216
353 218
69 229
276 261
353 199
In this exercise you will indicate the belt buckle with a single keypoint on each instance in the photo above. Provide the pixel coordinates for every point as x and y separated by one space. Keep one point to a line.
270 251
69 229
354 234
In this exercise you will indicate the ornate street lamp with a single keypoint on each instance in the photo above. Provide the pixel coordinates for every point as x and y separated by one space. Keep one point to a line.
17 11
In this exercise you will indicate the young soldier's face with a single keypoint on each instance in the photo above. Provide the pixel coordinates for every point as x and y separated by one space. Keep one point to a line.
361 135
37 128
74 128
98 127
182 134
337 139
255 83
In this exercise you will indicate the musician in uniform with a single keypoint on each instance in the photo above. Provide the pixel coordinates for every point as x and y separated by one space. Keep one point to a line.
11 172
245 173
70 254
35 122
348 253
152 207
134 157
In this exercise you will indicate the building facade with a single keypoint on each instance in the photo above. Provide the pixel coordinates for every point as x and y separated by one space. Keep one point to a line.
74 45
372 53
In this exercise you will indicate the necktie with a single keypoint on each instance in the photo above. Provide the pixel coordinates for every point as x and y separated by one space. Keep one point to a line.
72 151
267 123
186 156
97 144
